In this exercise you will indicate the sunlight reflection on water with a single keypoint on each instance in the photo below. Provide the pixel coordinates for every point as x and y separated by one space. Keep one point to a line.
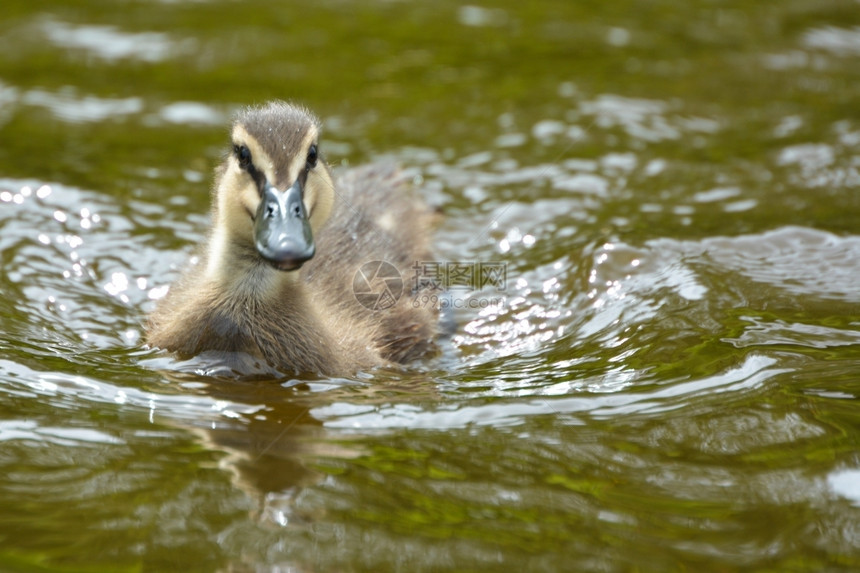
110 43
754 372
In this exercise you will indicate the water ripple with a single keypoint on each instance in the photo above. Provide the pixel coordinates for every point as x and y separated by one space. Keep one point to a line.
838 41
798 260
54 239
110 43
751 374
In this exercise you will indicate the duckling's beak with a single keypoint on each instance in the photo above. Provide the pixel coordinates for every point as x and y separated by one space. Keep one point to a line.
282 232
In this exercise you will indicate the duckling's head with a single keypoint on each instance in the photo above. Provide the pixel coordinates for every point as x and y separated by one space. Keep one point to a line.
273 191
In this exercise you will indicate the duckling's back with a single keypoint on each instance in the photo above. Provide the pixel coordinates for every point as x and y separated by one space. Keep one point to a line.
378 226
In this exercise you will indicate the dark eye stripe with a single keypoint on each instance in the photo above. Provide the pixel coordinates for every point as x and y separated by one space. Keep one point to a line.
312 156
243 154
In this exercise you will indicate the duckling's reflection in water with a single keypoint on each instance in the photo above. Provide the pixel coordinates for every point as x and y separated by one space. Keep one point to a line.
270 455
271 439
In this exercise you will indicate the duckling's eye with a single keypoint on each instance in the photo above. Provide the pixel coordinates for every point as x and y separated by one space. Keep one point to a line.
243 154
312 157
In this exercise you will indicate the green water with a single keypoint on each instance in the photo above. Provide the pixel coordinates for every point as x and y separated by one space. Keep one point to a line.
668 381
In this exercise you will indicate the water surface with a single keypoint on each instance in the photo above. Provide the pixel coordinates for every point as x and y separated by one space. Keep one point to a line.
667 379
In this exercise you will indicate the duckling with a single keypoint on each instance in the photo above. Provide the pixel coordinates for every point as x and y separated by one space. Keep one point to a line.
275 276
